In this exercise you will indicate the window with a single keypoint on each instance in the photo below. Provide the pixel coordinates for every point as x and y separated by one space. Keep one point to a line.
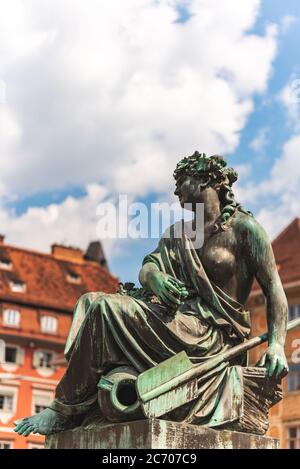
35 446
11 354
11 317
6 402
17 286
2 351
49 324
5 445
73 277
43 359
41 401
294 312
293 379
5 264
294 438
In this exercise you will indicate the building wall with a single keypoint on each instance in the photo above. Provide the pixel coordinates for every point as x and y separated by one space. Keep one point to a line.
37 285
29 381
286 413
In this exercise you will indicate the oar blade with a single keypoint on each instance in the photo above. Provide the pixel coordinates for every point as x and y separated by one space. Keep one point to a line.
161 374
171 400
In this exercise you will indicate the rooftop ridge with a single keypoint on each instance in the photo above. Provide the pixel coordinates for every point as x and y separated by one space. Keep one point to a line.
295 221
55 259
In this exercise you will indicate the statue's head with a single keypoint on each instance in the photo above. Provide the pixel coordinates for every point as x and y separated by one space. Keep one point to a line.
197 174
209 171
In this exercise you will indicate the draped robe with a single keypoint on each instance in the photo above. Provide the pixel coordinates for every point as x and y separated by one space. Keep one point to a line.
110 330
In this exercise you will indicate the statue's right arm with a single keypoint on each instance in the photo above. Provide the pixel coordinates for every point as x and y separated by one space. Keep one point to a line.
167 288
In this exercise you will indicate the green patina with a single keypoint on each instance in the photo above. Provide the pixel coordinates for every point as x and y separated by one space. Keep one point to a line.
182 339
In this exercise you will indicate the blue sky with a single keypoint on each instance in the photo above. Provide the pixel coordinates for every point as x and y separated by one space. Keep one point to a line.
102 101
268 113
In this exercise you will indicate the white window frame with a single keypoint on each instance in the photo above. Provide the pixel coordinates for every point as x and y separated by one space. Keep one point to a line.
8 314
2 351
296 439
74 280
5 409
294 370
36 360
296 311
46 322
6 442
5 265
9 391
19 351
35 446
17 287
36 393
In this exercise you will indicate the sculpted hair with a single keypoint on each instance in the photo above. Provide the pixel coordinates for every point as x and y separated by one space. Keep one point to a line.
213 172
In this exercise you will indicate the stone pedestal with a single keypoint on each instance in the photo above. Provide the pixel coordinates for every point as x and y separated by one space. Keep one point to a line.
156 434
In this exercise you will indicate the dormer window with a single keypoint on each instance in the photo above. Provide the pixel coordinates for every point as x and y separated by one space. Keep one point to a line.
5 264
74 278
17 286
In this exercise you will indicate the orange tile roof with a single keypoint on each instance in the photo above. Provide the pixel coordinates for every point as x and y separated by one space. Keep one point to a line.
46 279
286 247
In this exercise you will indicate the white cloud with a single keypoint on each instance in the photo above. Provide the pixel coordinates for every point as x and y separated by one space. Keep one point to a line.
117 91
109 95
286 23
72 222
290 98
278 194
260 141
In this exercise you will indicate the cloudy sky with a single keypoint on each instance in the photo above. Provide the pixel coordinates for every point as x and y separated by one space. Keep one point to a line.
100 98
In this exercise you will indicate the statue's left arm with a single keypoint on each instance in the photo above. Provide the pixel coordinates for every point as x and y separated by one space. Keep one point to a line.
262 261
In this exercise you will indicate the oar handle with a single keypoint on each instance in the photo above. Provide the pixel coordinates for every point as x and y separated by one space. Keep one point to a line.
241 348
199 370
293 324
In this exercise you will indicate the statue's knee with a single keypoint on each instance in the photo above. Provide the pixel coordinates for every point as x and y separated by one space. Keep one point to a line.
89 298
84 297
112 301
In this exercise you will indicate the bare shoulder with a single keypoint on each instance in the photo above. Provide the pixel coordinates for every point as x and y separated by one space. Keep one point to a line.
249 231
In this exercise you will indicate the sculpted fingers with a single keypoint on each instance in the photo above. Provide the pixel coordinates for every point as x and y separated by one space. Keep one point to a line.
272 365
262 361
172 297
35 429
171 287
22 429
28 430
165 299
21 426
176 282
282 369
19 421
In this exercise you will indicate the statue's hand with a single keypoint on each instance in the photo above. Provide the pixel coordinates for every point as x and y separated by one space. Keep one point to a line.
168 289
275 362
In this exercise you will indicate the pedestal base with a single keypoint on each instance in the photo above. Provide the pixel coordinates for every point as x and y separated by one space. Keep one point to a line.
156 434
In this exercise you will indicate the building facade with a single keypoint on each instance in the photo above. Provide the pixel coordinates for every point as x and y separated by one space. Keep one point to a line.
285 416
37 296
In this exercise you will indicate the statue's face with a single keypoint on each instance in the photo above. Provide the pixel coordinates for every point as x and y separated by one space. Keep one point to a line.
189 189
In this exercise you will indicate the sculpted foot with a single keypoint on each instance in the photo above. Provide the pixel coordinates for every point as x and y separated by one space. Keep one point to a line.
45 423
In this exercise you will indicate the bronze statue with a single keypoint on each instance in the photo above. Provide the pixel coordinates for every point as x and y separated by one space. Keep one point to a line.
192 301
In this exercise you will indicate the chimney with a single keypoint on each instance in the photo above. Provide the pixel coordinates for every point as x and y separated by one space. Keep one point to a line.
95 253
2 239
67 253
